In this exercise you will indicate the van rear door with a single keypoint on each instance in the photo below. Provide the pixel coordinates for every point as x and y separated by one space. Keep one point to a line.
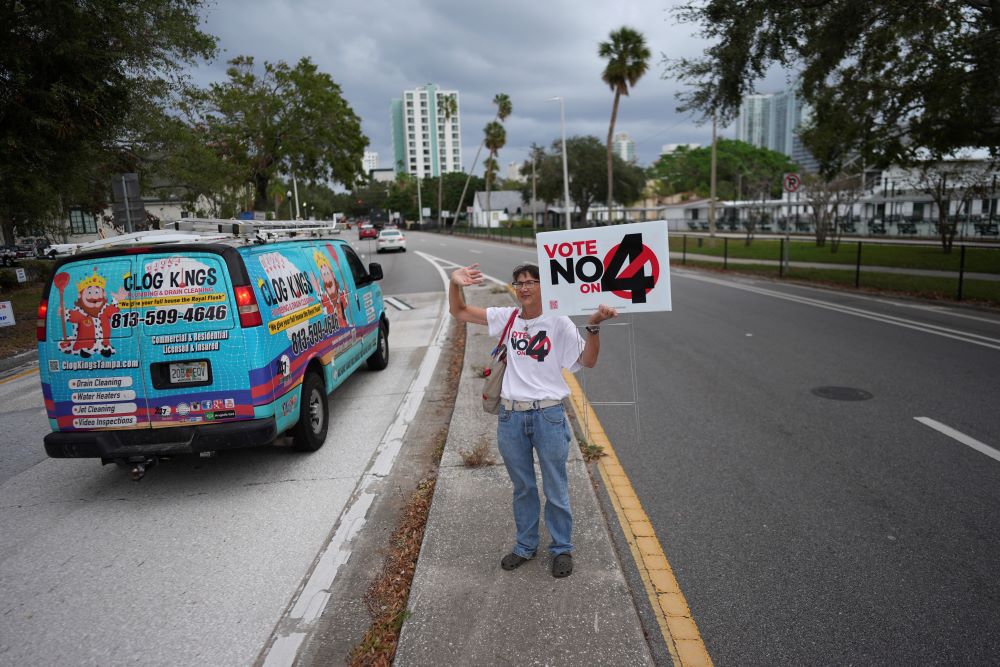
192 349
90 358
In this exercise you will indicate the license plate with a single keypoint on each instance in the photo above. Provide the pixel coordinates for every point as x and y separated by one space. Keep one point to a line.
188 371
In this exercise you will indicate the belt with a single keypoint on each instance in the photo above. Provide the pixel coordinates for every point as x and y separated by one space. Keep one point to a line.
523 406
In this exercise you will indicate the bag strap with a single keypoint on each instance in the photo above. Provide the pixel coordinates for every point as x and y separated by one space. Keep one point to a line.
503 336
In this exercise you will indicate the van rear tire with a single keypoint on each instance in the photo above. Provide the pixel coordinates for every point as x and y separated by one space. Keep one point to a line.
380 357
309 433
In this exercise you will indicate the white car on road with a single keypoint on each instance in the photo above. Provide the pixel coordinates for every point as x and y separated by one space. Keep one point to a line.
390 239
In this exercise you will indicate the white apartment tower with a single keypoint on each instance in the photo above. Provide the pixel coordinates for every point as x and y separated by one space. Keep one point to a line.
425 143
623 146
369 162
772 120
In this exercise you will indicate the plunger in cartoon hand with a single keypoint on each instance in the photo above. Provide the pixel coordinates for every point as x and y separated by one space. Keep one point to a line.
60 281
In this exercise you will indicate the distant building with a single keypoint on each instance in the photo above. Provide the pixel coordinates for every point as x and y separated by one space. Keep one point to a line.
623 146
424 143
772 121
514 173
369 161
383 175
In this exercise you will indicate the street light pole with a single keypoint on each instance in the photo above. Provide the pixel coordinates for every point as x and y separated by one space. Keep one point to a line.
295 186
291 213
562 127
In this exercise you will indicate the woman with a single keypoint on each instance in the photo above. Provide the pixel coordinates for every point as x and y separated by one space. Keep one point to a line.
531 415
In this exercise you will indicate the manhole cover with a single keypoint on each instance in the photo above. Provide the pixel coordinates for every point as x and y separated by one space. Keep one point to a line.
842 393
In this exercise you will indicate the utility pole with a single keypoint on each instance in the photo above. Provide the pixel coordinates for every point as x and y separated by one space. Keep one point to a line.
711 202
420 201
534 197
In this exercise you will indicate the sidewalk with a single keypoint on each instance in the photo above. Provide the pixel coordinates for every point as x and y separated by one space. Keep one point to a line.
464 608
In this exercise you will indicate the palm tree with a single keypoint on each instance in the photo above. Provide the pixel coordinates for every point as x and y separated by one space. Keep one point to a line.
504 109
628 59
449 106
495 136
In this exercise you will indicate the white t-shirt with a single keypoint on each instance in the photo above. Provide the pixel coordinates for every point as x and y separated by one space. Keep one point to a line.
537 351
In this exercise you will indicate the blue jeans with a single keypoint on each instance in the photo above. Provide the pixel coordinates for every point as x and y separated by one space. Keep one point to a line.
547 432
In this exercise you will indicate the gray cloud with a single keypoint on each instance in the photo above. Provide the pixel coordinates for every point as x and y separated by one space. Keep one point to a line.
531 50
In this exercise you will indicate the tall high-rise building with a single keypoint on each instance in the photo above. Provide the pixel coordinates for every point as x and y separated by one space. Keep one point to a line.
424 143
369 162
623 146
772 121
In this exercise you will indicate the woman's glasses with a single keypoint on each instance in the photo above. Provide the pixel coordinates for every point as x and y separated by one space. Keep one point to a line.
527 283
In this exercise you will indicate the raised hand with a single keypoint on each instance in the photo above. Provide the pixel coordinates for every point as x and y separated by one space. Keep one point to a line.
602 313
467 275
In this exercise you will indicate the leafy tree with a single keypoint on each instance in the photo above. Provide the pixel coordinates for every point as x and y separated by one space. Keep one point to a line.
449 106
956 181
894 80
73 73
628 60
454 183
585 158
827 197
504 109
178 161
284 120
741 169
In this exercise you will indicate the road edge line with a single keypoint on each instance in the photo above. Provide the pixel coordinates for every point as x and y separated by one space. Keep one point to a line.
679 629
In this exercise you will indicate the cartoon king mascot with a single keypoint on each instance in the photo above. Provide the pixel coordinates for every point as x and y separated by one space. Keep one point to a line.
333 298
92 316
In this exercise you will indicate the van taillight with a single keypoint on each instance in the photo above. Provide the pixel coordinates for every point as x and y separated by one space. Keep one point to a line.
43 310
246 302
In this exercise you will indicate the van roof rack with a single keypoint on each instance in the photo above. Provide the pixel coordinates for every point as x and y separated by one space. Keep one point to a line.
256 231
207 230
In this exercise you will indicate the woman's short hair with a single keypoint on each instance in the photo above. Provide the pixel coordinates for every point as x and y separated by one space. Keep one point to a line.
530 269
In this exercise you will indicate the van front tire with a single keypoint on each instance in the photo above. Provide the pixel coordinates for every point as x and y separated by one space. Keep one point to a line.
309 433
380 357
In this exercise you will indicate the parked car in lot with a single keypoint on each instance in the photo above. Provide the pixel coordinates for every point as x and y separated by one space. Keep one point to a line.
367 231
390 239
8 255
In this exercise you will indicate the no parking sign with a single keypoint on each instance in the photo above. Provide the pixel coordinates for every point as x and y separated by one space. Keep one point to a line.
791 182
623 266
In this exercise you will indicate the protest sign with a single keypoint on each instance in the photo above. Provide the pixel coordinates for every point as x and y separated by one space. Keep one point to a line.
623 266
6 314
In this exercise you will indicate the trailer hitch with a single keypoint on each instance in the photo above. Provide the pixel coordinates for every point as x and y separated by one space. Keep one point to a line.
137 465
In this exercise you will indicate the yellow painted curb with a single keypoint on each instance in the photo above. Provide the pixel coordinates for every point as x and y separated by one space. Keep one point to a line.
19 375
680 632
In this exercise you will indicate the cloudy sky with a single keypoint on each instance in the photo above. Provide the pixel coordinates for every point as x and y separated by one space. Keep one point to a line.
529 49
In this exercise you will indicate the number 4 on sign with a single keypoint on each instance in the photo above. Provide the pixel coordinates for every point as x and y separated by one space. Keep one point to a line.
629 281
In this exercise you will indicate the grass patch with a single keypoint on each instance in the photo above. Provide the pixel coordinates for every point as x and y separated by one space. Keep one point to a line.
981 260
478 456
388 595
20 337
590 451
980 292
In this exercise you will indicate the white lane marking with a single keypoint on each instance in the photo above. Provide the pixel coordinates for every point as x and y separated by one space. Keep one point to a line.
967 440
396 303
964 336
476 252
299 622
440 263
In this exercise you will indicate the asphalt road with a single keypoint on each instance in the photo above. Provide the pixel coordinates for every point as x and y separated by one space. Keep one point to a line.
802 529
199 563
805 529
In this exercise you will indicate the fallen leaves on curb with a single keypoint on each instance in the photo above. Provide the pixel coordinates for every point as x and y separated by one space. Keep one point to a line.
389 593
